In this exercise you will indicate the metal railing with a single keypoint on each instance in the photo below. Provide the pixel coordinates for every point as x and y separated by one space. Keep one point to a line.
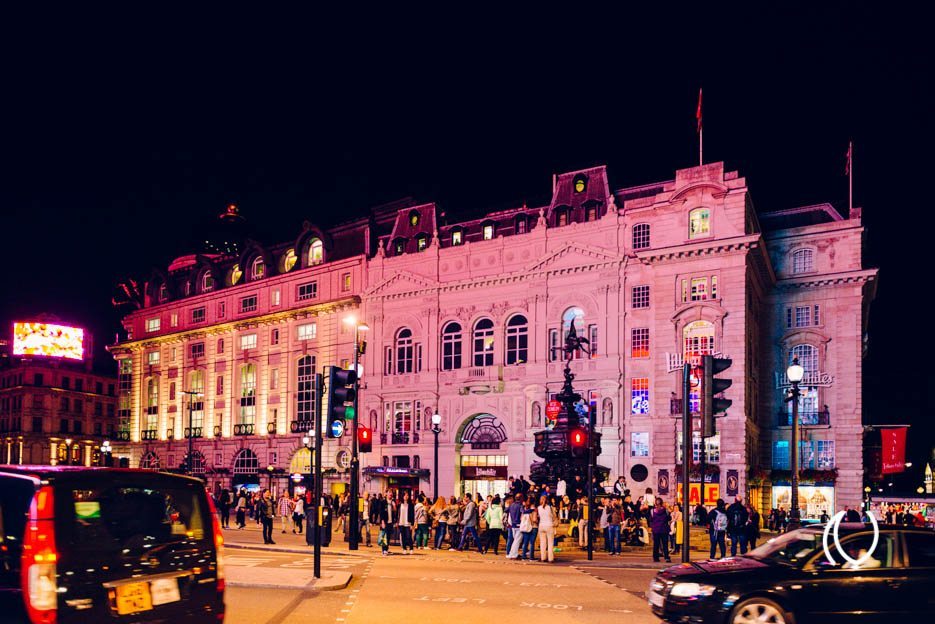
193 432
148 434
245 429
300 426
401 437
817 418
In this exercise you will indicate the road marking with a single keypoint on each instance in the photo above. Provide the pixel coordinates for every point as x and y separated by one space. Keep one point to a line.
620 611
250 562
547 605
451 599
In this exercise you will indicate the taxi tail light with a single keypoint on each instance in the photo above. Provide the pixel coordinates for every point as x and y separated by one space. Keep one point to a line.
218 543
39 559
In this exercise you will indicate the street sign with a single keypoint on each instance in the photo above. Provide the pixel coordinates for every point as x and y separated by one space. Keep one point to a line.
552 409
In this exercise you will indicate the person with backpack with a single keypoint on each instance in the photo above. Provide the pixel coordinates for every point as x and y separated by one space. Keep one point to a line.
659 524
717 528
753 526
737 518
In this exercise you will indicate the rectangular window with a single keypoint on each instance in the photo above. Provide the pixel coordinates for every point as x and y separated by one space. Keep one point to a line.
402 418
714 286
592 337
816 317
275 297
825 454
220 385
419 357
174 319
172 391
37 424
684 291
198 315
248 341
639 395
521 226
172 354
248 304
222 309
308 331
488 232
788 318
555 352
803 316
306 291
640 297
152 358
66 383
388 361
781 455
65 404
699 290
98 387
220 348
79 384
639 342
63 425
79 406
152 325
274 337
456 237
346 282
639 444
274 379
197 350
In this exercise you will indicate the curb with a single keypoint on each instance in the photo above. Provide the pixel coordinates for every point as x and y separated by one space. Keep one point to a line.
315 585
293 550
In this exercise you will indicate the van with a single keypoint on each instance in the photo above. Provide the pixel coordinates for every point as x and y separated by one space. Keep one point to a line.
107 545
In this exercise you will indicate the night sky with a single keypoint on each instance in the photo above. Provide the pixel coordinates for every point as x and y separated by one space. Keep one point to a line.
123 132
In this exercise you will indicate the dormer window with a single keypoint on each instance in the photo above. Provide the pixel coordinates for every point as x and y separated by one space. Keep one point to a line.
163 293
561 217
236 274
399 246
207 282
421 242
521 224
257 268
414 218
187 288
581 184
488 230
457 237
316 252
288 260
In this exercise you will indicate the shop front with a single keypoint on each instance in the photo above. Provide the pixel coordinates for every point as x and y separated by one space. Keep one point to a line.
484 474
814 499
397 481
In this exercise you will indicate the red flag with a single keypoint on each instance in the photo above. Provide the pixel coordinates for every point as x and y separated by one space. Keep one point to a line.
847 156
698 112
894 449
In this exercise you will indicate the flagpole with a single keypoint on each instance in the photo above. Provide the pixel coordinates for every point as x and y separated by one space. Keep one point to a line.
850 177
700 146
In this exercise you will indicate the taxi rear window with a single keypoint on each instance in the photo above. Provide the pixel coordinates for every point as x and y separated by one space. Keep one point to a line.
133 517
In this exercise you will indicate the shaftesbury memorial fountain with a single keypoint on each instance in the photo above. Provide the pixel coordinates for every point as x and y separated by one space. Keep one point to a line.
563 459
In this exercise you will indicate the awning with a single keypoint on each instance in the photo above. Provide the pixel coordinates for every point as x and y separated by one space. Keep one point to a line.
392 471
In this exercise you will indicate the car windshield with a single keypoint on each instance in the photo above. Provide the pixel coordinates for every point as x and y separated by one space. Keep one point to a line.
789 548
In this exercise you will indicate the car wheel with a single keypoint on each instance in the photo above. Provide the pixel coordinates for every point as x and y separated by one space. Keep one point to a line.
759 611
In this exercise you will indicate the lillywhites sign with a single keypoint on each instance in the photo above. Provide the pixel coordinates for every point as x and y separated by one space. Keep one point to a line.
483 472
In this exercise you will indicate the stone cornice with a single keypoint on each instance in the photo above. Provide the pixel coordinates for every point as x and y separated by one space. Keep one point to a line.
700 248
828 279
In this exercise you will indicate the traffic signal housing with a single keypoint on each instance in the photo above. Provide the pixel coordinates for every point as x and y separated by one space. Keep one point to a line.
342 389
578 441
364 439
711 386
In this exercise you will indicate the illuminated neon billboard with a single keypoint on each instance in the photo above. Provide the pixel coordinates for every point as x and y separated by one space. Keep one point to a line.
48 340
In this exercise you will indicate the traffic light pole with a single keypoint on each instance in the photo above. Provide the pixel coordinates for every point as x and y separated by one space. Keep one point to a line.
591 514
319 419
686 460
353 533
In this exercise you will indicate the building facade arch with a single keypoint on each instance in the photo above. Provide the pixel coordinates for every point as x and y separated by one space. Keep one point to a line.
699 311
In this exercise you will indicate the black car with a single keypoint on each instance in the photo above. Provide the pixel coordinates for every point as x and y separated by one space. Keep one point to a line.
107 545
791 579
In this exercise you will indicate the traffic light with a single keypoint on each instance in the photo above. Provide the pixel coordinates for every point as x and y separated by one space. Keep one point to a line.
710 386
578 440
341 389
364 439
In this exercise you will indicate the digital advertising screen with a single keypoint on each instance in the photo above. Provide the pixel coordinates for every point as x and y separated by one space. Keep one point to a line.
48 340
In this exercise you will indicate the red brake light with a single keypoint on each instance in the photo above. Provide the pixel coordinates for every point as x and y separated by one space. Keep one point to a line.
38 562
218 543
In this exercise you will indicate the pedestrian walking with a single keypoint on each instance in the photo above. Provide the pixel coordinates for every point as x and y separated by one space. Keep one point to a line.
753 526
547 523
527 530
439 515
659 523
285 506
365 520
717 528
515 514
298 514
676 530
224 508
737 518
469 522
265 514
453 523
407 518
422 523
241 512
613 528
386 529
494 518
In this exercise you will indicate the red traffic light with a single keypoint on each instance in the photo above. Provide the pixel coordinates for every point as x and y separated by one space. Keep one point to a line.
364 439
578 437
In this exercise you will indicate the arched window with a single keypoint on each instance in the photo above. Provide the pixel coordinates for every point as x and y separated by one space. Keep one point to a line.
163 293
573 315
257 268
698 338
288 260
561 216
699 223
483 342
803 261
457 237
641 236
246 462
207 282
247 414
399 246
316 252
422 241
404 351
150 461
305 393
517 340
581 183
808 395
414 218
236 274
451 346
521 224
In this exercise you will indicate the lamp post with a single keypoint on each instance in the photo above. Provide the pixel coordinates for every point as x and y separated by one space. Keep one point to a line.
191 429
436 429
353 534
68 442
105 452
795 373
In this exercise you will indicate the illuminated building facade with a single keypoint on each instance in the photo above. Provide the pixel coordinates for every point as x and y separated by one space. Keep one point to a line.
464 318
54 407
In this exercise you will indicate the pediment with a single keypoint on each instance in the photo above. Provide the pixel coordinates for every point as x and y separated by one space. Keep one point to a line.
401 282
574 255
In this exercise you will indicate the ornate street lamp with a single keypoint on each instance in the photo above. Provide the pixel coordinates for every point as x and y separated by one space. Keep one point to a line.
795 373
68 442
105 452
436 429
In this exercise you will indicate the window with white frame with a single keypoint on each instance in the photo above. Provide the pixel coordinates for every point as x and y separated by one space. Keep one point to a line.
573 316
483 342
803 261
222 309
258 268
316 252
307 331
824 454
306 291
517 340
712 447
457 237
641 236
402 417
555 349
196 350
274 379
808 395
152 358
274 336
248 304
197 385
152 404
404 351
451 346
781 459
640 297
305 389
275 297
639 342
488 231
639 444
346 282
699 289
248 341
198 315
153 324
174 319
639 395
207 282
699 223
247 414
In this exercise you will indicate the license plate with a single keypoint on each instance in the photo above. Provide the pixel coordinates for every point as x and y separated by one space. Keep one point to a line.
133 598
656 600
164 590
